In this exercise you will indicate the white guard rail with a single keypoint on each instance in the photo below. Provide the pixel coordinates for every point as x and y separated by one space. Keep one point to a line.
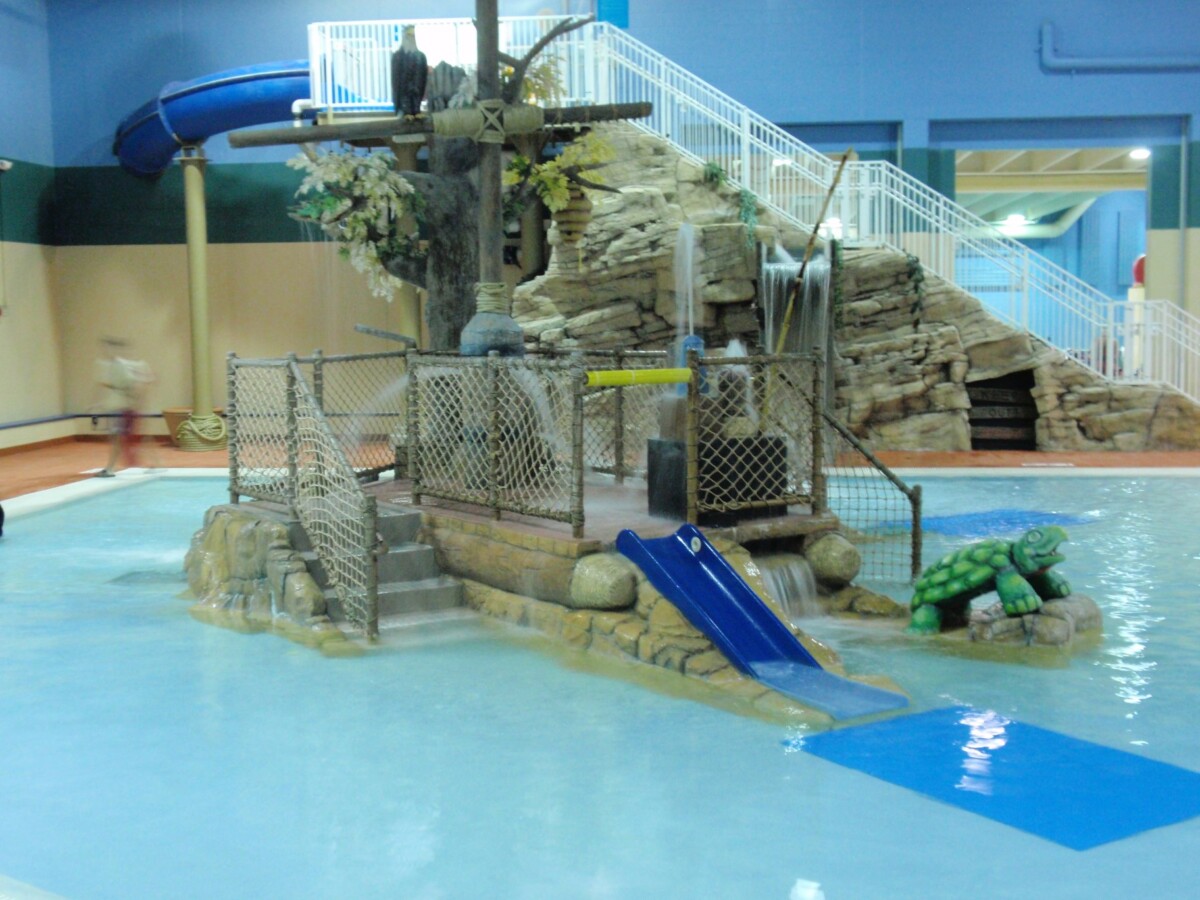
877 204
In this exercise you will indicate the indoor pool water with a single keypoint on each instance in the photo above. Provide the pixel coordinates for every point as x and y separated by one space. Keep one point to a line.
148 755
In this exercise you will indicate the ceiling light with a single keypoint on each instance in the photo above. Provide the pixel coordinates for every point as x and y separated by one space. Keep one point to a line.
1139 153
1013 224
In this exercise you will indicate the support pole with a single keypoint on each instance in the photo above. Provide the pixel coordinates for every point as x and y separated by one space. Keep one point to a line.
491 222
203 429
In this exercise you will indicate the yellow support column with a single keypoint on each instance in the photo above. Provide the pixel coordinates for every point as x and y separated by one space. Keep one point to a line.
203 429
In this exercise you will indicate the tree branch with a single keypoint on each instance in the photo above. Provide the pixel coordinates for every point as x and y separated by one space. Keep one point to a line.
408 269
512 89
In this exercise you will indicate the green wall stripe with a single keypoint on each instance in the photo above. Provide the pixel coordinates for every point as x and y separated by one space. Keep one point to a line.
25 190
934 167
100 205
1164 186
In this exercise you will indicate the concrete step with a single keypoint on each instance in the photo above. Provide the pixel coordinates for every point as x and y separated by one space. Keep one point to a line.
406 597
396 523
405 562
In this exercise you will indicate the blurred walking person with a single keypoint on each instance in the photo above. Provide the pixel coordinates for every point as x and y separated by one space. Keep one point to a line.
123 382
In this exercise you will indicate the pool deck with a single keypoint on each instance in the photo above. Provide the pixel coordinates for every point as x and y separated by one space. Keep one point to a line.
36 467
30 469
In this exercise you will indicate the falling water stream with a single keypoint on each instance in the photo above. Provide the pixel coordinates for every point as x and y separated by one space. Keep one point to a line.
685 281
788 578
808 328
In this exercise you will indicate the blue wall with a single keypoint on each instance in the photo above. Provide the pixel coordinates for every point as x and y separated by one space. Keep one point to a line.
1100 248
25 122
883 75
109 58
928 64
915 68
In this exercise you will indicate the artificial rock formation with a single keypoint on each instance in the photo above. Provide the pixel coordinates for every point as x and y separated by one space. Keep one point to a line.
616 287
908 347
1056 624
650 629
908 343
244 573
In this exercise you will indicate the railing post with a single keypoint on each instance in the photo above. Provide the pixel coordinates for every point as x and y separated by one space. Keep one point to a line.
918 537
414 431
493 433
293 438
745 150
619 427
400 466
371 556
598 65
318 378
231 430
691 447
578 381
820 494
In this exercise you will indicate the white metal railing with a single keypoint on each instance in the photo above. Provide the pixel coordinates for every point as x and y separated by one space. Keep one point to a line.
876 204
350 62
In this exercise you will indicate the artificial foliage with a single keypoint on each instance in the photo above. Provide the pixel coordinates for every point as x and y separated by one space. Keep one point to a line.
363 202
554 179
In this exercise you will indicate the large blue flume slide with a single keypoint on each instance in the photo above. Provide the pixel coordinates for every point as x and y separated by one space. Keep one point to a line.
186 113
689 572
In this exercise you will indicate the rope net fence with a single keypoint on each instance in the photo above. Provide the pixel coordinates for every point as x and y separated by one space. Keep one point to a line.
261 429
754 439
338 517
504 433
364 399
878 511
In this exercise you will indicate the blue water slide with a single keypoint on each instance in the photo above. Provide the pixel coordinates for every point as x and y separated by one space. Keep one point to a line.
188 112
689 572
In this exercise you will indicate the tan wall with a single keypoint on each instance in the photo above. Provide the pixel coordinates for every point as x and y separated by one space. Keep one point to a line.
31 384
264 300
1163 269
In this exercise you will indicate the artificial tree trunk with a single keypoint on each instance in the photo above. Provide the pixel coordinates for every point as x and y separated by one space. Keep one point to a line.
449 273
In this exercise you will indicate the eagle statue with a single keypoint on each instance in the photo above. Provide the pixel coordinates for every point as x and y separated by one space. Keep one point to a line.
409 72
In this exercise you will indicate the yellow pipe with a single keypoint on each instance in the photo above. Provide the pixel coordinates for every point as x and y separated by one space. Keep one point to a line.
621 377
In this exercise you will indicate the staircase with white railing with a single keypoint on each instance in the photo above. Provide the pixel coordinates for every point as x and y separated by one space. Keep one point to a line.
875 204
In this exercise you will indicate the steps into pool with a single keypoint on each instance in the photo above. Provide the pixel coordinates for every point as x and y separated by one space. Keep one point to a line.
410 582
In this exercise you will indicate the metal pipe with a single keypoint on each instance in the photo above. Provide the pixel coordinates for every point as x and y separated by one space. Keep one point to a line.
1052 62
625 377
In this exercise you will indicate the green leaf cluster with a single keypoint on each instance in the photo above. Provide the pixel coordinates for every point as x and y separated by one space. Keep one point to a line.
363 202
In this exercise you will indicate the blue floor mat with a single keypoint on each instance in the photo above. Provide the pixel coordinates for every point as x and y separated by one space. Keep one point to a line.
1069 791
998 522
988 523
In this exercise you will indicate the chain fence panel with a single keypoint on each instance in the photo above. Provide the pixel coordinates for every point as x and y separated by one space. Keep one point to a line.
754 433
879 512
339 518
364 398
618 421
495 432
260 429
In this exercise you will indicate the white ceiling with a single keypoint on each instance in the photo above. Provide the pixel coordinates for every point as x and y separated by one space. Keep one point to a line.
1048 187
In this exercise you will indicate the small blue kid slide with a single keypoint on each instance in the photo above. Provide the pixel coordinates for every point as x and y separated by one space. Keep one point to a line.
688 571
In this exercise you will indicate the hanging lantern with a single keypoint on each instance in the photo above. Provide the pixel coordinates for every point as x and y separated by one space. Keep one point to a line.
572 220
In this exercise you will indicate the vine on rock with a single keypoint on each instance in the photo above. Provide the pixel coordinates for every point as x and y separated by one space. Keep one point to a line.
916 278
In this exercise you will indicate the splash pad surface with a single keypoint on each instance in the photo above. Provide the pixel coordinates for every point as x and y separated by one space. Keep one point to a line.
153 755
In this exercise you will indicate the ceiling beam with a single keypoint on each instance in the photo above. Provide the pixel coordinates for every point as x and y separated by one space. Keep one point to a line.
996 206
1059 182
1050 160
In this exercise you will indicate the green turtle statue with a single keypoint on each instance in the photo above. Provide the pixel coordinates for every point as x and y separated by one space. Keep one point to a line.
1019 571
